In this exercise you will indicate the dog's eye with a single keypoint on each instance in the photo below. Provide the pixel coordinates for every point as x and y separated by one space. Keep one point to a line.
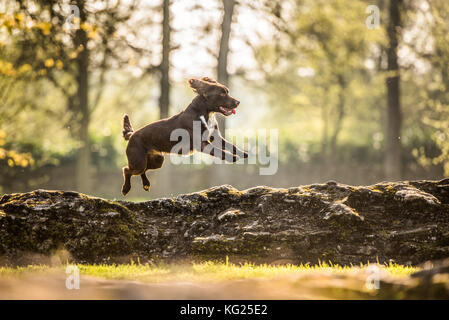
222 94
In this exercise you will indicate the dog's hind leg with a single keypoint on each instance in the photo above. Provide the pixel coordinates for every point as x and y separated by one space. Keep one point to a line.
137 162
154 161
145 182
127 181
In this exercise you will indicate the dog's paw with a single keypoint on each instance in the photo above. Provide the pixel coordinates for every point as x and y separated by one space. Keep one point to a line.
245 155
235 158
125 189
146 187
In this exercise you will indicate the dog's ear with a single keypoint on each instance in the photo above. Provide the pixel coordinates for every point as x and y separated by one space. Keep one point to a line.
199 86
207 79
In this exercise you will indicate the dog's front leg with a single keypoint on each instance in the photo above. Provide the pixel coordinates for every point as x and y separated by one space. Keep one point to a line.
210 149
218 140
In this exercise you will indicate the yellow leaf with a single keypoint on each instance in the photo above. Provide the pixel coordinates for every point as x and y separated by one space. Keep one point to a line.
45 27
20 16
23 163
49 63
24 68
73 54
92 34
86 26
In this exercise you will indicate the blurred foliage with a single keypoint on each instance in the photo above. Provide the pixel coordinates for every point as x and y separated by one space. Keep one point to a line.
317 71
433 91
12 157
325 77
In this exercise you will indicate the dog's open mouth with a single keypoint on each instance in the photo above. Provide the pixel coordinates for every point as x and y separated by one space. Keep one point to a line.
226 111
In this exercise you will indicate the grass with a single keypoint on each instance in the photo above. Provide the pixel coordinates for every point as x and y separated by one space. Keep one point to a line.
205 271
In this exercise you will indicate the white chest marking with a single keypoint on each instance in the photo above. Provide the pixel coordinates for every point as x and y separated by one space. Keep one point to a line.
210 125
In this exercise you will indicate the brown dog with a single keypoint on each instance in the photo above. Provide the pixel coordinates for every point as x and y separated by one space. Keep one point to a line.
148 145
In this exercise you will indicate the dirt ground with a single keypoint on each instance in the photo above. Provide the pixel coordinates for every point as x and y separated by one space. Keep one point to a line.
310 286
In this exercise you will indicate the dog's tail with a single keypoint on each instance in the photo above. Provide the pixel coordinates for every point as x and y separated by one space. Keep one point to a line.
127 127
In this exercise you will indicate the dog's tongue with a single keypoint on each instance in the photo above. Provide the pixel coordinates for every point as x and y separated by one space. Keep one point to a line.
233 111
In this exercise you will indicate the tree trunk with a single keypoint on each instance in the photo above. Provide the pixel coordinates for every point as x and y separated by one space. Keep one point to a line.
164 98
393 147
324 143
82 108
222 66
331 156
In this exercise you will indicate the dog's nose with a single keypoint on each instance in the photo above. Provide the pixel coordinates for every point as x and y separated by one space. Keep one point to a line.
237 103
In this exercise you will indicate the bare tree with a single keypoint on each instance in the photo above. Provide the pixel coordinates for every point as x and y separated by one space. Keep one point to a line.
164 68
223 51
82 101
393 148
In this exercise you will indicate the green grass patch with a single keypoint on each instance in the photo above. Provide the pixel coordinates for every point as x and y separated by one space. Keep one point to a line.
205 271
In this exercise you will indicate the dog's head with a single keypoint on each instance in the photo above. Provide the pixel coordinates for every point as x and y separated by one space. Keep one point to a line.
216 95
